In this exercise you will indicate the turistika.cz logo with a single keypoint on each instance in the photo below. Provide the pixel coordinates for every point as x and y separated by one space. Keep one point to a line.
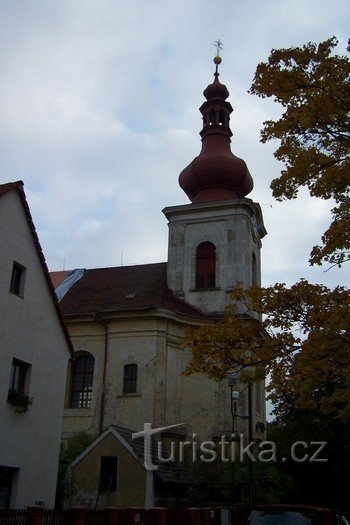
233 448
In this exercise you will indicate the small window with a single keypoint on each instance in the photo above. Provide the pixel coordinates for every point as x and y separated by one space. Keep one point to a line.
254 271
19 376
130 379
205 265
82 381
108 473
17 279
19 386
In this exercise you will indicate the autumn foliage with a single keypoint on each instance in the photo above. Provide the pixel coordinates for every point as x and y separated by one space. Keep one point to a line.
312 84
303 342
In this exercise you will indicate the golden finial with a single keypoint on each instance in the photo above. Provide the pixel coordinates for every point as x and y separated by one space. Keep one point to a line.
217 59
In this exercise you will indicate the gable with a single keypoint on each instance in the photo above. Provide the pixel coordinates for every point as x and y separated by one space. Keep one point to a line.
21 244
117 438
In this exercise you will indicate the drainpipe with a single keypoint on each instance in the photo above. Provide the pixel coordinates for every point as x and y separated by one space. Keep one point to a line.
105 356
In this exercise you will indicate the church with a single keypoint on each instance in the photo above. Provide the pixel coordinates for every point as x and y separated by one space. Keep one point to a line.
127 323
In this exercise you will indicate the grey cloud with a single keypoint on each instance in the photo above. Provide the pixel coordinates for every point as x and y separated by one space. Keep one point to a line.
99 114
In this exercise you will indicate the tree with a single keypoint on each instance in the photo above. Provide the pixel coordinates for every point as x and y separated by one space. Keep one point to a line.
303 340
69 450
312 85
310 426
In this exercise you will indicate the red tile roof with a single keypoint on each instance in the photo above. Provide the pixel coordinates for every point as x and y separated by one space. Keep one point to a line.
58 277
124 288
19 187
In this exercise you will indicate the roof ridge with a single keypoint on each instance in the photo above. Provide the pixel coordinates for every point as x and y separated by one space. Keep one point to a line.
125 266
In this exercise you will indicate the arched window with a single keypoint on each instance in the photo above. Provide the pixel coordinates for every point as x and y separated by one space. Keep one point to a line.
130 379
82 380
254 271
205 265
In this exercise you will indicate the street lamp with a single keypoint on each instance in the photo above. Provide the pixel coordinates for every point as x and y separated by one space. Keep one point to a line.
232 379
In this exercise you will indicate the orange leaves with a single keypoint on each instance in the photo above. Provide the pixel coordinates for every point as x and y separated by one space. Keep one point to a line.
302 341
312 85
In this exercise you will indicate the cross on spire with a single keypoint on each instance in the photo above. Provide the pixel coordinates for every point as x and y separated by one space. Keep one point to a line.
219 46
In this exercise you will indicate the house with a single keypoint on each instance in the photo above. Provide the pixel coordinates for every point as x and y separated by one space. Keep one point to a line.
112 472
35 348
127 323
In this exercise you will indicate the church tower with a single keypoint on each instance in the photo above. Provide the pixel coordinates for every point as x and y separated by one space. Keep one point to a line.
214 242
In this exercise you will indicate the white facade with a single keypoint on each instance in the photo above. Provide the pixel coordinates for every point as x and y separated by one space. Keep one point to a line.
153 341
33 340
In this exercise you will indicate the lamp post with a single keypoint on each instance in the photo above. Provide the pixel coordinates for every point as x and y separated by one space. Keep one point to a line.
250 439
234 396
232 382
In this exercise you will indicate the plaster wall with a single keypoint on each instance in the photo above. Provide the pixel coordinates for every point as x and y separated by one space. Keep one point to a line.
164 396
131 478
235 228
30 331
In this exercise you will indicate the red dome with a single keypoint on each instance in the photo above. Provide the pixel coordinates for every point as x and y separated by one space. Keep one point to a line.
216 90
216 174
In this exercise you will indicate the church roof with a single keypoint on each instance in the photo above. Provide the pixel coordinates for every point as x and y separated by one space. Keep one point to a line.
216 174
124 288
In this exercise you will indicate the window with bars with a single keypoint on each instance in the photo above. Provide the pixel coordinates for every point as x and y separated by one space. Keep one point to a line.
205 266
130 379
82 381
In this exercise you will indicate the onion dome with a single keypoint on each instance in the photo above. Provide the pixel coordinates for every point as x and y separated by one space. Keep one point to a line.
216 174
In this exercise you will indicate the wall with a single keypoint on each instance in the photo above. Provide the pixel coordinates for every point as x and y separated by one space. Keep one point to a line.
164 396
30 330
131 478
234 227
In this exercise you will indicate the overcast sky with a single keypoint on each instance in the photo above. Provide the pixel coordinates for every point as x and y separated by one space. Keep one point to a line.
99 114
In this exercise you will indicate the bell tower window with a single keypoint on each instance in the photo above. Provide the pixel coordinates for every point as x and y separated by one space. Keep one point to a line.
254 271
205 266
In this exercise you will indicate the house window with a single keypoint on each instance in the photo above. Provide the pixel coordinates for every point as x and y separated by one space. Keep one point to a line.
17 279
82 380
108 473
254 271
19 375
19 386
130 379
205 265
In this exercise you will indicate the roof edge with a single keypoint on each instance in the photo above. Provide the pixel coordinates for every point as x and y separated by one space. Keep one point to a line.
19 187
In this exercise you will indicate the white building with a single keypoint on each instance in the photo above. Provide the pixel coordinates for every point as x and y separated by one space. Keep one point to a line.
35 349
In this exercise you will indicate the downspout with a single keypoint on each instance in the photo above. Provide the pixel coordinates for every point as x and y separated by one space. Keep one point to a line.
105 356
